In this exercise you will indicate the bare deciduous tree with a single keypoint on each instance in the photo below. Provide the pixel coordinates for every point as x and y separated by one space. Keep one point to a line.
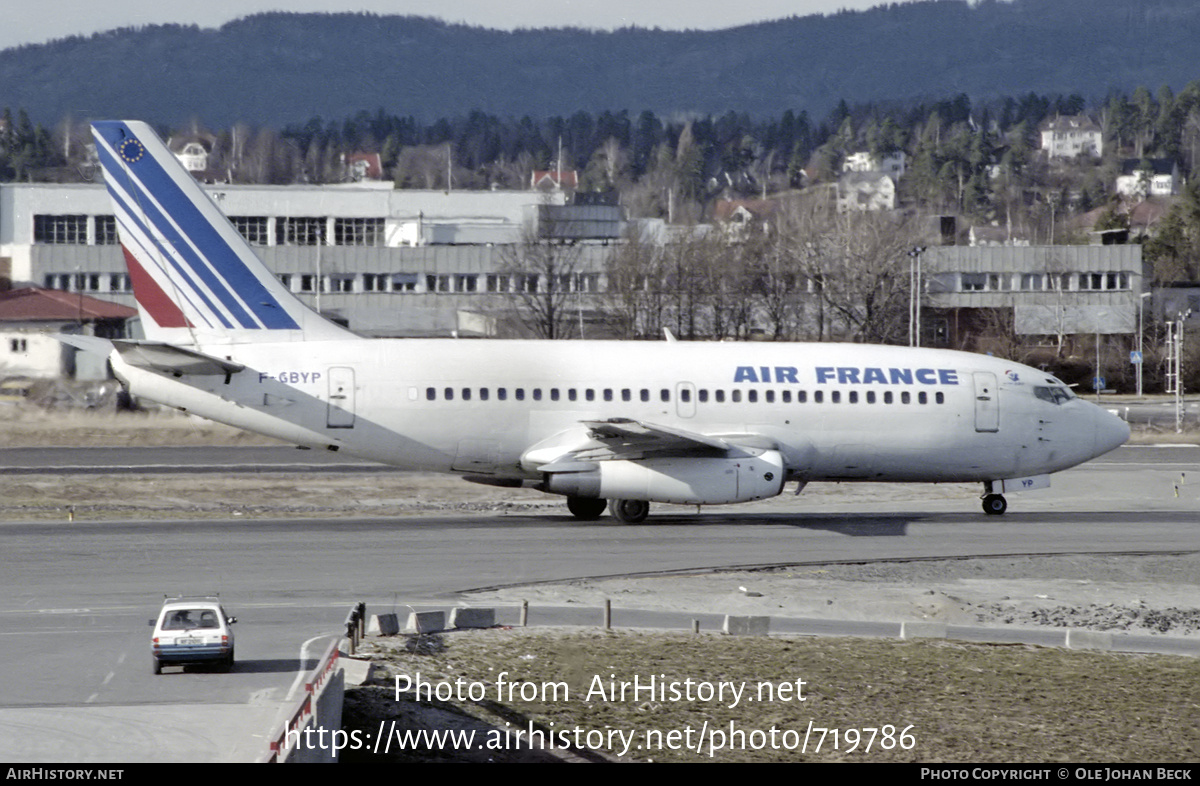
542 276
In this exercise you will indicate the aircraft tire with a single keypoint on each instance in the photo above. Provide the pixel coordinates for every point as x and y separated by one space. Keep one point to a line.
630 511
994 505
586 508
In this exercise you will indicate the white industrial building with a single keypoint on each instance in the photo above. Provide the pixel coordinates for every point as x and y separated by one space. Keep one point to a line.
387 261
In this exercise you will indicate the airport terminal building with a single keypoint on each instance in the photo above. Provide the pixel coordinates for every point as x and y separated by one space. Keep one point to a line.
386 262
390 262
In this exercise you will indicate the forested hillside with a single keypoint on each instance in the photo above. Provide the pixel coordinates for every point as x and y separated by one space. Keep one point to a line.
281 68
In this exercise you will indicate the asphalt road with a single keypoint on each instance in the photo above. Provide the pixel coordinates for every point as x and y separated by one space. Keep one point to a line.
75 598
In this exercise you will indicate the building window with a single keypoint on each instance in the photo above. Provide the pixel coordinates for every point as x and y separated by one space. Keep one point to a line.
300 231
60 230
253 228
18 345
106 231
358 231
341 283
974 282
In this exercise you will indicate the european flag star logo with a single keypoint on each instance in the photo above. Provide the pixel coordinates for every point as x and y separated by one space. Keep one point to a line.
131 151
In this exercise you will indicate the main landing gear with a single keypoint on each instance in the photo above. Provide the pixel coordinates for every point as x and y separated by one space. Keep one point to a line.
630 511
626 511
586 508
994 504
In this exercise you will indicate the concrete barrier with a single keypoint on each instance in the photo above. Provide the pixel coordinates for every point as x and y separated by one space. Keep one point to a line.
1088 640
472 618
923 630
310 733
383 625
426 622
746 626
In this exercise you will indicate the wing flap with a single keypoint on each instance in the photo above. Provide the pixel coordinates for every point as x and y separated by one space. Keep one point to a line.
622 438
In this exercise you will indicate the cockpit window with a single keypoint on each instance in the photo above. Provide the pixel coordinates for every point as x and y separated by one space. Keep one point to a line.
1055 395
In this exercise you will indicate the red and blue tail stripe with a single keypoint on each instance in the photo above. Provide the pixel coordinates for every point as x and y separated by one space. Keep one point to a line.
190 268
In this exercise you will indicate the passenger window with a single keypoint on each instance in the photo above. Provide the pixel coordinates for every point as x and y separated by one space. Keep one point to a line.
502 393
939 397
801 396
703 394
720 396
571 394
870 396
685 395
787 397
736 396
922 397
770 394
608 394
626 394
554 394
835 397
752 396
590 394
520 394
466 394
537 394
449 392
431 394
905 398
483 394
645 395
853 396
818 396
887 397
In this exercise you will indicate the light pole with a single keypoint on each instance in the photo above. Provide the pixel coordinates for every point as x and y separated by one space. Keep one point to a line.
1141 363
914 297
1096 383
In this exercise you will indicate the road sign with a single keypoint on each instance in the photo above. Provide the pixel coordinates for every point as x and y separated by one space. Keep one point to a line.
1135 357
1098 383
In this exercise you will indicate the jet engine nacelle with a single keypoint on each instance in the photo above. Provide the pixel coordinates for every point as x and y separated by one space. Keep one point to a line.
682 481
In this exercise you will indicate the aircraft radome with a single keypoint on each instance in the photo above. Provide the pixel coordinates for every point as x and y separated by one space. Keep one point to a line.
603 423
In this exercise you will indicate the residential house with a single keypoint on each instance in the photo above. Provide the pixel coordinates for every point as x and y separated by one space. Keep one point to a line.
1074 135
891 164
554 180
865 191
1143 178
29 318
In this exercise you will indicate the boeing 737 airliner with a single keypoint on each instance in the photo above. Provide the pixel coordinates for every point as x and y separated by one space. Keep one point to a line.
605 424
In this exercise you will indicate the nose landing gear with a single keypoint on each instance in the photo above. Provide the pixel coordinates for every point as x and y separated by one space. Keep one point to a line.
994 504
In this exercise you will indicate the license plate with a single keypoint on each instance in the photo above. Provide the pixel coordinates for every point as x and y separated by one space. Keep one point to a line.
188 642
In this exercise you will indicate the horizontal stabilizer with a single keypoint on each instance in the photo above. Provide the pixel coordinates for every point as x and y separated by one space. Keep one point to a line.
173 360
99 346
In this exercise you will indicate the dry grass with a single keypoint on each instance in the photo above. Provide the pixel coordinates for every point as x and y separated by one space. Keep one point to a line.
959 702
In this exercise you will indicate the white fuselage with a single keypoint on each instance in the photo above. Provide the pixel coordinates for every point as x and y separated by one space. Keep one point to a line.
834 411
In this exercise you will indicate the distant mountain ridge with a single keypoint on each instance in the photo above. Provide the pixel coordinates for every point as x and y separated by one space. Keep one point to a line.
280 68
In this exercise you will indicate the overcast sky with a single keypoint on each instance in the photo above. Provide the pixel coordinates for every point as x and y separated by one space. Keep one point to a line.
36 21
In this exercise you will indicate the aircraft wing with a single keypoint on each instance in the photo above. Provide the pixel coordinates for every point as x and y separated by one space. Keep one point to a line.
622 438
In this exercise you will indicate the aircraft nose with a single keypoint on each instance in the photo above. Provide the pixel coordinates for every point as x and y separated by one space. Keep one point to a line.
1111 432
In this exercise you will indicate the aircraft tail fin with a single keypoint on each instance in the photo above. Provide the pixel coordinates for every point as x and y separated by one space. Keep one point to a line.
195 278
